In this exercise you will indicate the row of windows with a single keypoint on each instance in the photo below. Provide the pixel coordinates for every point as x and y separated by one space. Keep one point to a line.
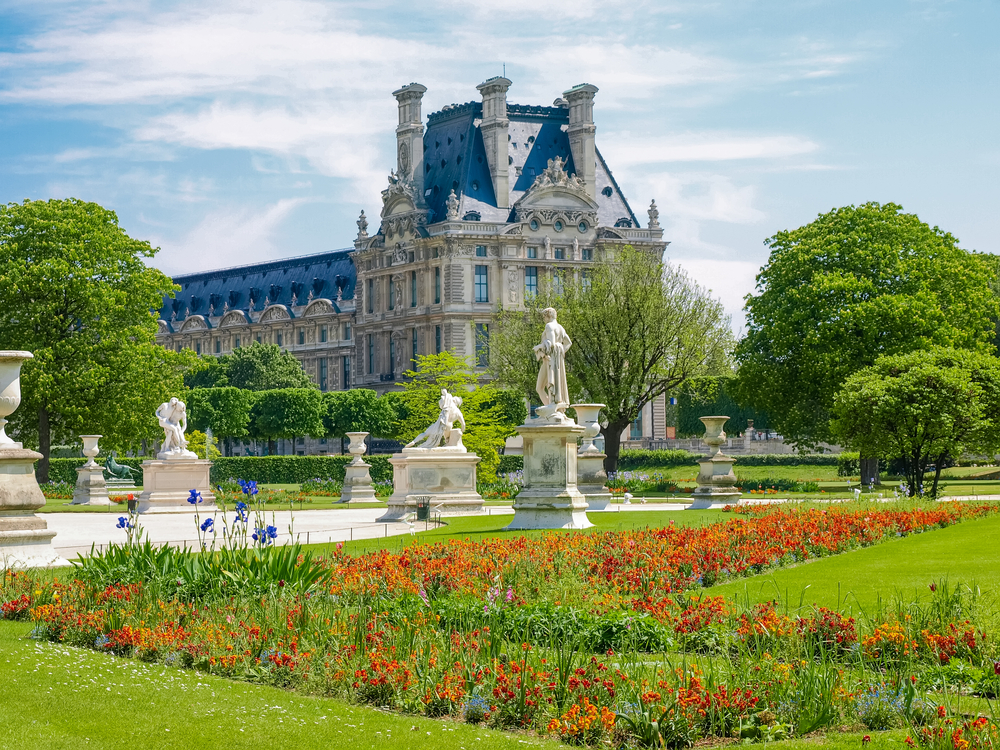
482 331
559 253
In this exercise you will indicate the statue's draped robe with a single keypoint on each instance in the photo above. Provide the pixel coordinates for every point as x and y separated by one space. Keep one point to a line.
551 384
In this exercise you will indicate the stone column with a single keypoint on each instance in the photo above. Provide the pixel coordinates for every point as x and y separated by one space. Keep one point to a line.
25 540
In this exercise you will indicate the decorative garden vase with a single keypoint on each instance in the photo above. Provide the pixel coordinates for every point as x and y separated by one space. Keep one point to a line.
90 449
587 416
10 390
357 447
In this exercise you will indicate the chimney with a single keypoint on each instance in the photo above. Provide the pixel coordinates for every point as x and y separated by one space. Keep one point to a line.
494 130
410 137
581 134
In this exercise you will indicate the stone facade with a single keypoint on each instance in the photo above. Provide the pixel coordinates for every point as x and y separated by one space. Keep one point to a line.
488 202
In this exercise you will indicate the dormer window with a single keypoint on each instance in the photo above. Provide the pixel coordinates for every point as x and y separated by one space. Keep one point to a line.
624 223
607 192
471 216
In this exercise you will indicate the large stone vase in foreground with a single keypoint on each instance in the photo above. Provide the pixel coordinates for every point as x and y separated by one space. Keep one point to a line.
716 480
25 540
550 498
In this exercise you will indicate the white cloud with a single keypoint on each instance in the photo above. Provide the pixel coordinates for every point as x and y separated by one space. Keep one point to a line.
729 281
624 151
227 237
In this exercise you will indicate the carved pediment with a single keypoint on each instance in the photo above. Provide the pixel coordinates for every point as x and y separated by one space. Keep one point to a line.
163 327
607 233
234 318
275 312
319 307
195 323
554 188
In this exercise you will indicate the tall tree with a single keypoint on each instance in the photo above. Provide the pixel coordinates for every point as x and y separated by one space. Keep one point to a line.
856 283
75 290
926 407
261 367
357 410
225 410
286 413
640 328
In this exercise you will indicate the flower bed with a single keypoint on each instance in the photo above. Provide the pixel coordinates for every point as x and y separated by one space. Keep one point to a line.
561 635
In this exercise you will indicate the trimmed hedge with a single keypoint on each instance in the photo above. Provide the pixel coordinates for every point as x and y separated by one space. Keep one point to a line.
630 460
509 464
64 469
294 469
636 459
788 459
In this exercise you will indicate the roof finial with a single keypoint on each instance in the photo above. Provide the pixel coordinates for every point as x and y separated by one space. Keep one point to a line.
654 215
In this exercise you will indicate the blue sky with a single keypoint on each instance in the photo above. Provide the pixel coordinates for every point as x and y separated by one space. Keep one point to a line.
228 133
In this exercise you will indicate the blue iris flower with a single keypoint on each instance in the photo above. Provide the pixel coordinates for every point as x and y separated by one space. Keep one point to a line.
122 522
194 497
207 526
272 532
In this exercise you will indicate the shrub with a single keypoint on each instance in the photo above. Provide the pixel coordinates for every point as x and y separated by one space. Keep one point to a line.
294 469
64 469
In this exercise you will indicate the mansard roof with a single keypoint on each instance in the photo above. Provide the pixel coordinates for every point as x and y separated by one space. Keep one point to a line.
246 288
455 159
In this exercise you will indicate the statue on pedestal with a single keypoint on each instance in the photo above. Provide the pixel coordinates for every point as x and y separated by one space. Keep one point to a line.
443 430
551 384
172 416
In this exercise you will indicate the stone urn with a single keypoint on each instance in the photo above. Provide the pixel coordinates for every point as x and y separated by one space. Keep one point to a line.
714 436
90 449
587 416
10 390
716 480
357 448
25 539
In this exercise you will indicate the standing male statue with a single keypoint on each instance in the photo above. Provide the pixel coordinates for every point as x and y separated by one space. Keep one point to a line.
551 384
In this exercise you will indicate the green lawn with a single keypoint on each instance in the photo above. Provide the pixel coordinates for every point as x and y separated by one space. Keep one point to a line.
59 697
966 552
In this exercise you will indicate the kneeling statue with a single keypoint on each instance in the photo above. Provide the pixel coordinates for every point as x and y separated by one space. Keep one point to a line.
443 430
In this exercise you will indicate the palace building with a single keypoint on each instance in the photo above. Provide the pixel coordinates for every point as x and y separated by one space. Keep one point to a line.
488 201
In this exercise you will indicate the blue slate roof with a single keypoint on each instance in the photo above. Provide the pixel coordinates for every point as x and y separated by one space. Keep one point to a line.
455 159
246 287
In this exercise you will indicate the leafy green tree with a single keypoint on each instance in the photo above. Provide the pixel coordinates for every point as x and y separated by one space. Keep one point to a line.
75 290
258 367
357 410
640 328
855 284
489 417
286 413
924 407
225 410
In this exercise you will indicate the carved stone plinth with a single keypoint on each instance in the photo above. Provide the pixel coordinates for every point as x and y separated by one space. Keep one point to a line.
447 476
591 478
25 540
550 498
91 488
167 484
358 483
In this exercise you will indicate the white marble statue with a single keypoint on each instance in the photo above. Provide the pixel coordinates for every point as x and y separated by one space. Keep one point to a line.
443 430
172 416
551 384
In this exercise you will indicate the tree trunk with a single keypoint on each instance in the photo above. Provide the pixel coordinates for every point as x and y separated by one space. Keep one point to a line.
272 446
613 443
44 446
869 471
937 475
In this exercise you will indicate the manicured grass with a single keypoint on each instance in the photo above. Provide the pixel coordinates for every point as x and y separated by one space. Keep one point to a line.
58 697
965 552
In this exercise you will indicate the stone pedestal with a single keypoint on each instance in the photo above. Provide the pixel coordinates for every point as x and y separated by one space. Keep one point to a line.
358 483
716 480
25 540
591 479
91 489
167 484
550 498
445 475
